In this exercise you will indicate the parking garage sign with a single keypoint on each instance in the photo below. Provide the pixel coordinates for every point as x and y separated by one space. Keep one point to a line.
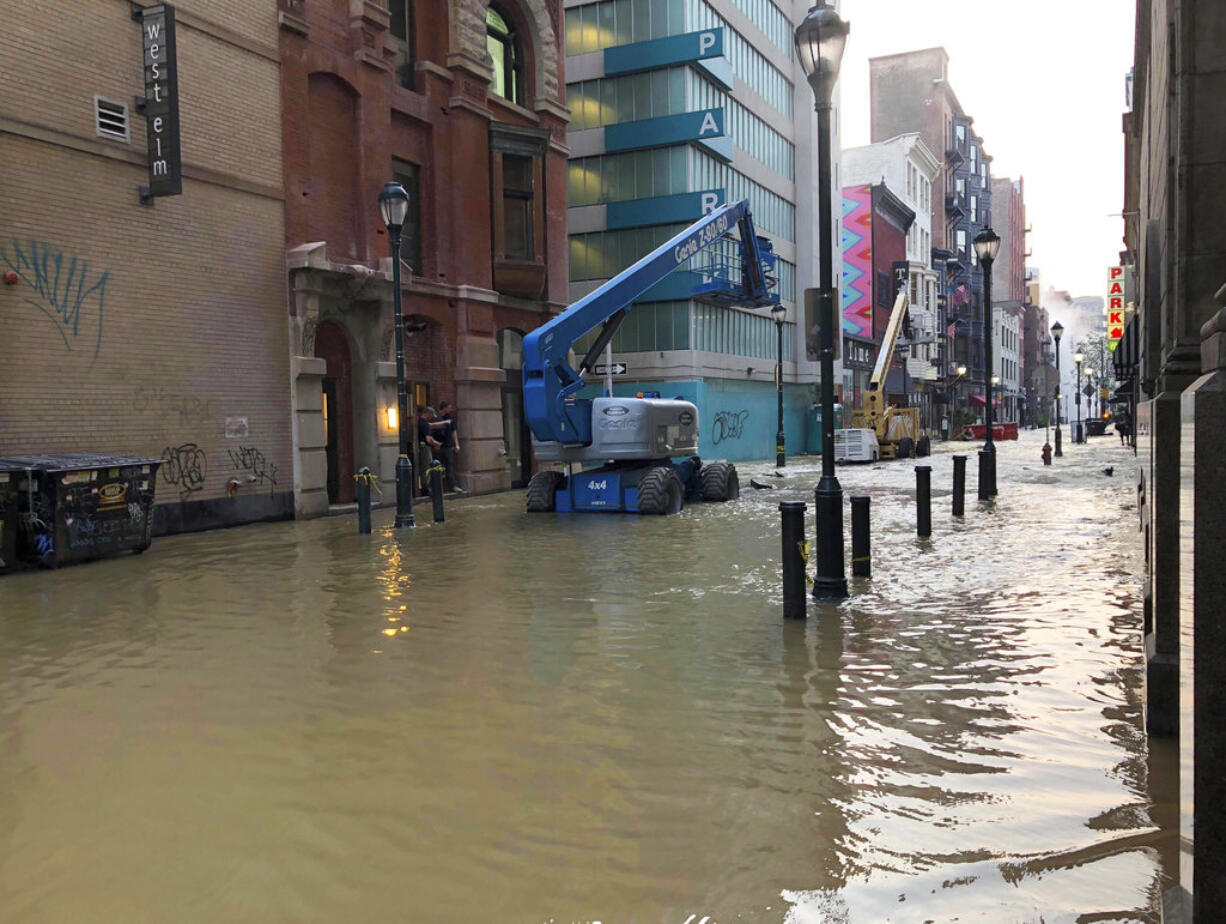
1115 306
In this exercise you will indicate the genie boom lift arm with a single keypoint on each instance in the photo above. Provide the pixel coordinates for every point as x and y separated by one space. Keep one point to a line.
553 411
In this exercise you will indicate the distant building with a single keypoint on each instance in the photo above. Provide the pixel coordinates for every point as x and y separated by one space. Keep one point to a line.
1037 357
906 167
678 106
1009 293
910 92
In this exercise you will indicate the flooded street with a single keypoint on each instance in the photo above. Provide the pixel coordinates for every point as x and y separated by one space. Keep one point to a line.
593 718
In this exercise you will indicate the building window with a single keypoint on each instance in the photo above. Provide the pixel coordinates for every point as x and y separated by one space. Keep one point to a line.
401 31
408 175
517 207
975 209
504 48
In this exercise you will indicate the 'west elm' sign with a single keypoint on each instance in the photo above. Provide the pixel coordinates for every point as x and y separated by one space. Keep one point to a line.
161 102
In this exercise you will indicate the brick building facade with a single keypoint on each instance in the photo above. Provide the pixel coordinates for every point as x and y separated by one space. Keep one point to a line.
152 328
460 103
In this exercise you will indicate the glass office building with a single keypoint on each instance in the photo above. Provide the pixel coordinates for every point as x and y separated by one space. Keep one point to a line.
675 110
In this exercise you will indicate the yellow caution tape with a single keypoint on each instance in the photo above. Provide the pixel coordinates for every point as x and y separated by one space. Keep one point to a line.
803 545
370 479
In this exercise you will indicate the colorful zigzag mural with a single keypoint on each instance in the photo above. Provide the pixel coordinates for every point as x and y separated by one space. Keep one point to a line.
858 261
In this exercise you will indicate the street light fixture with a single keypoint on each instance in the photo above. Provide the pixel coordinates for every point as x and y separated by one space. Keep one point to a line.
1079 435
394 206
778 312
1057 331
987 245
820 39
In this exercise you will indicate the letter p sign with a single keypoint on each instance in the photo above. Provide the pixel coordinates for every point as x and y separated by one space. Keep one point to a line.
706 41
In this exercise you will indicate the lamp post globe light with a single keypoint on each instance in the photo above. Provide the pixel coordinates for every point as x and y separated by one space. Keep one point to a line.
777 312
394 206
1057 331
1078 434
820 39
987 245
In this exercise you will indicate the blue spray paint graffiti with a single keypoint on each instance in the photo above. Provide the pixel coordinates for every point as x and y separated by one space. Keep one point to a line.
63 288
728 425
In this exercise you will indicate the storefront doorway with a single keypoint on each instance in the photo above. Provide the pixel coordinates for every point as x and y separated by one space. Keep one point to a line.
332 346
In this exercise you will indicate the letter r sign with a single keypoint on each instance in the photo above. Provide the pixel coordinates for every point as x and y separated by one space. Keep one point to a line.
710 202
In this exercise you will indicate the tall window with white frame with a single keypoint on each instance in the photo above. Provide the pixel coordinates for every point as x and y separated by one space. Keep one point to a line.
401 31
506 52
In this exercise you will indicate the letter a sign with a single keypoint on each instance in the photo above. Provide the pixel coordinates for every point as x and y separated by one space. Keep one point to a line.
161 106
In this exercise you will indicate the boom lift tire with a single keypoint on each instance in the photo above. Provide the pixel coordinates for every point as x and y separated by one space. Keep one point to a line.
720 482
542 491
923 447
906 448
660 491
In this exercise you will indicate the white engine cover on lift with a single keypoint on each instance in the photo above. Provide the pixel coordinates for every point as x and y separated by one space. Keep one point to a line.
632 428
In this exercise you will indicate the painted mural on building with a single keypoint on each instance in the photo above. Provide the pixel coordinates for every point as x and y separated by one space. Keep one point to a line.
858 261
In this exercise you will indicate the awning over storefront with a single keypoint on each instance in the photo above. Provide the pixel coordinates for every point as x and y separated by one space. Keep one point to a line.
1127 353
977 401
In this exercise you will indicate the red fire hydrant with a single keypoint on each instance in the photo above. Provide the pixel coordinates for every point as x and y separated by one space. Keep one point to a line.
1047 453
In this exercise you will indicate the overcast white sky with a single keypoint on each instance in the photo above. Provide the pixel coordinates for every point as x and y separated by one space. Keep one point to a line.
1044 82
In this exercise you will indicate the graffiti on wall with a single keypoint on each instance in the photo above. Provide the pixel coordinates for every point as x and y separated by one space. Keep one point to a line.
858 261
190 408
255 463
185 468
728 425
63 288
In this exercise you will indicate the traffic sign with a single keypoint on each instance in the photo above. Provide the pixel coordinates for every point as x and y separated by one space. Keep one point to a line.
606 369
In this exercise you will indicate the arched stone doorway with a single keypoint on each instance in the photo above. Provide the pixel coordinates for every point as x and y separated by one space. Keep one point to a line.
516 437
332 346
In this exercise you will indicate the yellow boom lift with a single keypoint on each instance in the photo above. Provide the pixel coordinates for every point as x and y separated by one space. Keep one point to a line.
897 429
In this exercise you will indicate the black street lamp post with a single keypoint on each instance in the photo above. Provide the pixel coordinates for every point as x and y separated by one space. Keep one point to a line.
777 312
394 205
987 244
1057 330
820 39
1079 435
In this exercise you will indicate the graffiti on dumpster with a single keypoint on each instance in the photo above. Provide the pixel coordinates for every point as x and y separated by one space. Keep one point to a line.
728 425
255 463
63 289
185 468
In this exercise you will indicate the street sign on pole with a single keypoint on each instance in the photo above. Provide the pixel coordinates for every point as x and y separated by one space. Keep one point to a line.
610 369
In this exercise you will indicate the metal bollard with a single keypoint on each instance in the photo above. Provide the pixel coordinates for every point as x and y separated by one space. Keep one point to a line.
435 472
861 557
959 485
363 479
923 501
792 515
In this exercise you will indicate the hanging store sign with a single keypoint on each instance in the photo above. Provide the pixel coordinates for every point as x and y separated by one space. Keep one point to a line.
161 101
1115 306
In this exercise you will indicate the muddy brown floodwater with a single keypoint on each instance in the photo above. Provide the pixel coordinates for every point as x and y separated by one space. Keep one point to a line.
593 717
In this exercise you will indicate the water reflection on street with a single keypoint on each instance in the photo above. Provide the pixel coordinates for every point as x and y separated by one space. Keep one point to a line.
529 718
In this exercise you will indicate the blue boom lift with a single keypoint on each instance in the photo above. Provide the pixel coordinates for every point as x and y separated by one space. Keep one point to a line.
648 445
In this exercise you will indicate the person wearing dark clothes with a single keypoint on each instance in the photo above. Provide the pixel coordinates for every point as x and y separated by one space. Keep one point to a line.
427 445
449 439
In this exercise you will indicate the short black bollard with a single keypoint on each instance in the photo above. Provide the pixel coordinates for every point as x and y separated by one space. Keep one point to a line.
923 500
861 557
792 514
363 479
959 485
435 472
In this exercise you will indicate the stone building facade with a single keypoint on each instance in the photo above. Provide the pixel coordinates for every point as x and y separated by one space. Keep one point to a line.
1175 171
461 103
154 327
